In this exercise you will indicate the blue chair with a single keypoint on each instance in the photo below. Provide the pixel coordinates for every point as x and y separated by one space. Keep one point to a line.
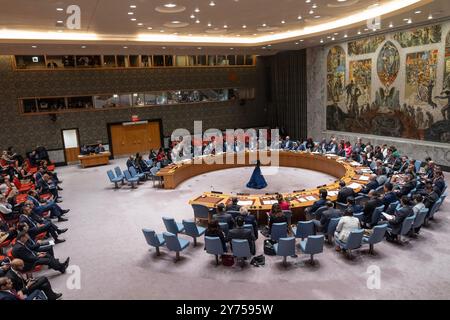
192 230
154 177
279 230
224 227
359 200
241 249
442 198
378 233
312 245
134 173
233 213
149 163
130 179
376 216
174 243
304 229
113 178
341 206
249 227
172 226
318 213
285 248
417 165
153 239
406 227
434 209
213 245
354 241
119 173
359 215
332 228
392 207
420 220
379 189
201 212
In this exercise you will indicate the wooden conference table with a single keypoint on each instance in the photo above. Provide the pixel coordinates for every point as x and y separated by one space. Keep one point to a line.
351 172
95 159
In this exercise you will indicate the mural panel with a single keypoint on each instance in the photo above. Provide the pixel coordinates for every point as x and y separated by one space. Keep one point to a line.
335 74
364 46
359 89
388 64
446 85
419 36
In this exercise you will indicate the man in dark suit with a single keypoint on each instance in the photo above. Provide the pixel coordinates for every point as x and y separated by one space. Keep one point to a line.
222 216
99 148
46 185
351 203
371 185
40 208
395 223
323 193
37 225
28 286
369 208
288 144
32 259
389 195
249 219
233 206
327 215
241 233
409 185
344 192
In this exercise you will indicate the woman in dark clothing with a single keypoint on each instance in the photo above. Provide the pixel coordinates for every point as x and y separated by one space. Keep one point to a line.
214 230
276 216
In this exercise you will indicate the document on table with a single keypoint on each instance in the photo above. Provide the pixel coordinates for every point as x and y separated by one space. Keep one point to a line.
333 193
354 185
311 198
269 202
245 202
356 164
388 216
302 200
366 170
364 178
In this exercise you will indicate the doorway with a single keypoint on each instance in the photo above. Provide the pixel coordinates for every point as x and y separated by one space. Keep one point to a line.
130 138
71 142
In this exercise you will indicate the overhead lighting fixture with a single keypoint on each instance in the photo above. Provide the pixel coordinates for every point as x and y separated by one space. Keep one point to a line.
299 17
125 47
197 21
430 17
417 12
311 12
391 25
316 17
296 43
345 35
59 9
314 6
409 21
133 19
130 13
336 33
301 40
225 26
170 5
209 24
341 0
365 29
199 48
231 48
283 22
359 32
264 25
140 24
212 3
197 10
332 39
192 16
321 40
34 47
59 21
164 48
133 6
149 28
176 22
244 26
308 1
83 47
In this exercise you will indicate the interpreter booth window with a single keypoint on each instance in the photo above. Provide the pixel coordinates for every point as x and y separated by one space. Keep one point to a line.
231 60
109 61
125 100
168 61
248 60
29 105
138 99
202 61
88 61
79 102
68 61
150 99
212 60
134 61
51 104
54 62
158 61
106 101
161 98
240 60
122 61
30 62
146 61
222 60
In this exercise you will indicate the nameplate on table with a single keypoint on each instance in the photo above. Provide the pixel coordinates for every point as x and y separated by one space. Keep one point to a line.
269 202
245 202
311 198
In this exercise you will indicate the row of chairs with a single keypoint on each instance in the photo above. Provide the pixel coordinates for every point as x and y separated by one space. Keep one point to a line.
131 176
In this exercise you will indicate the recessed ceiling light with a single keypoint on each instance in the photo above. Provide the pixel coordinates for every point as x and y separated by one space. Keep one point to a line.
430 17
130 13
308 1
418 12
175 22
263 48
332 39
170 5
140 24
209 24
345 35
359 32
59 21
301 40
149 28
264 25
212 3
197 10
192 16
34 47
269 45
164 48
125 47
244 26
321 40
391 25
83 47
365 29
133 19
299 17
197 21
231 48
406 19
341 0
161 30
133 6
316 17
328 37
311 11
59 9
314 6
296 43
283 22
409 21
225 26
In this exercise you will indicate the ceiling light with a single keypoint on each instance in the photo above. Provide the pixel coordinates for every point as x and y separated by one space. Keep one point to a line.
321 40
299 17
140 24
231 48
197 10
130 13
301 40
264 25
308 1
125 47
409 21
192 16
341 0
59 21
345 35
133 6
316 17
328 37
336 33
263 48
391 25
212 3
283 22
430 17
164 48
83 47
406 19
296 43
34 47
332 39
418 12
149 28
365 29
314 6
197 21
244 26
311 11
170 5
175 22
225 26
269 45
209 24
59 9
133 19
199 48
359 32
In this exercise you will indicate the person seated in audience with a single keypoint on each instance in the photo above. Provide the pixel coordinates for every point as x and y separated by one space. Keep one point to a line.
27 286
408 186
359 147
345 226
439 182
140 165
39 208
309 144
404 164
371 185
364 160
332 146
395 223
242 233
233 206
100 148
323 146
7 293
223 216
38 245
249 219
389 195
327 215
47 185
348 149
7 232
131 162
284 205
418 205
429 171
344 192
351 203
381 175
37 225
7 186
323 194
5 265
32 259
369 208
214 230
430 194
287 144
341 149
276 216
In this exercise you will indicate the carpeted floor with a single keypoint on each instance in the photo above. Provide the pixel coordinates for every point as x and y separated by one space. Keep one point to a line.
106 243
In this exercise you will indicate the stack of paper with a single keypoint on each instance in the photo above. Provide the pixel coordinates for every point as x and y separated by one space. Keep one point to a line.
354 185
333 193
356 164
364 178
245 202
302 200
311 198
269 202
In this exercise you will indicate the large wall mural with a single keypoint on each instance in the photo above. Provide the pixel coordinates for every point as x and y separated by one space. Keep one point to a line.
394 89
335 74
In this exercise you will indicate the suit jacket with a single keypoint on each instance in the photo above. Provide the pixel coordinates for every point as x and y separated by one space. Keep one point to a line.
407 188
344 193
241 233
8 296
372 185
388 199
369 208
327 215
18 282
400 216
250 219
28 256
225 217
319 203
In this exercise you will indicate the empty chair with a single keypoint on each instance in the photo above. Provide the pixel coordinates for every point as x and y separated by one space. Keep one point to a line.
359 215
213 245
201 212
249 227
406 227
312 245
173 243
377 236
119 173
154 177
353 242
172 226
332 228
304 229
224 227
420 219
191 229
130 179
113 178
434 208
153 239
285 248
134 173
279 230
241 249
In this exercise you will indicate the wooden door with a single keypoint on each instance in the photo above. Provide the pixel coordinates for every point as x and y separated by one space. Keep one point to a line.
71 145
129 139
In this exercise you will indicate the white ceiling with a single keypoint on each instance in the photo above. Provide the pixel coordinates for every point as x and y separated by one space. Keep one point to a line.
270 25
